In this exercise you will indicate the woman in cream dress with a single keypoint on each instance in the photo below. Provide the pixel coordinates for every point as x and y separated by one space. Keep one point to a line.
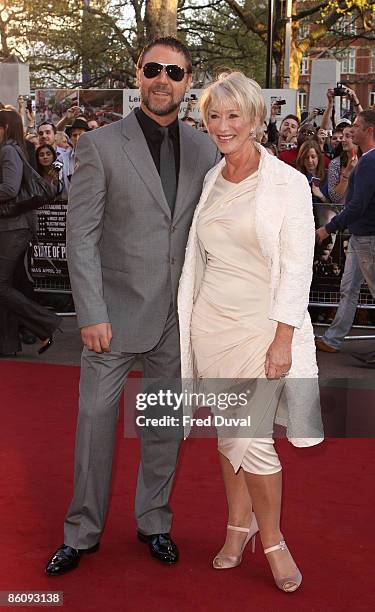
243 313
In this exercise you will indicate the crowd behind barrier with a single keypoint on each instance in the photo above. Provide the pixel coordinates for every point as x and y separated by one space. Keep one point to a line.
325 153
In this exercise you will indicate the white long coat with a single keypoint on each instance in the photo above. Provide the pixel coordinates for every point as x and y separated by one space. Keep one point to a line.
285 230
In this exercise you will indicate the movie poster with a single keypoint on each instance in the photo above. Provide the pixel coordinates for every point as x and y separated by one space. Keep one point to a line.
48 253
105 105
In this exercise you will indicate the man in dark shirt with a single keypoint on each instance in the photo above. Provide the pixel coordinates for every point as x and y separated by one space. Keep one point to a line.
132 197
288 128
359 217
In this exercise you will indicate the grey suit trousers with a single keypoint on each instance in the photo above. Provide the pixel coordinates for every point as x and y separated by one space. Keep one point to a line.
102 381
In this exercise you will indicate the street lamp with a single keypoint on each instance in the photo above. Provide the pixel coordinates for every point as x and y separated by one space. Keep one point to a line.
269 44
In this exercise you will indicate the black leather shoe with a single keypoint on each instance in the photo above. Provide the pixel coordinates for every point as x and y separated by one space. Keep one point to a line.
67 558
161 546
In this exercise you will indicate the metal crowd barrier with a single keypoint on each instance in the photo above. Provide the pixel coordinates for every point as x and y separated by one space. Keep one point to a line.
50 272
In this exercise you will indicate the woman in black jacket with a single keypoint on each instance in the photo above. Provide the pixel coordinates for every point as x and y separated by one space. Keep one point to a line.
15 235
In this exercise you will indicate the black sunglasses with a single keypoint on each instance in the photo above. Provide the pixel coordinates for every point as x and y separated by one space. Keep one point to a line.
153 69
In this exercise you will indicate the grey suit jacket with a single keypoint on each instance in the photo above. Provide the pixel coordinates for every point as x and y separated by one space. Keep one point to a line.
125 253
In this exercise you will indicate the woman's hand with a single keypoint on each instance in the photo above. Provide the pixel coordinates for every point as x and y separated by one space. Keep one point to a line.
330 96
53 174
279 354
316 191
321 234
352 164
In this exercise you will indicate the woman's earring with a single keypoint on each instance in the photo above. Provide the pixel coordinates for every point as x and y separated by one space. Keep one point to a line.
252 135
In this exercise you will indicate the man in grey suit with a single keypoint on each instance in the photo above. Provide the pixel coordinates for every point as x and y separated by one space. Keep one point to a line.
131 202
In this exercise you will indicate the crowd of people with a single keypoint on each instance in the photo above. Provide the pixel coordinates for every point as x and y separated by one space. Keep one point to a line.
327 159
324 153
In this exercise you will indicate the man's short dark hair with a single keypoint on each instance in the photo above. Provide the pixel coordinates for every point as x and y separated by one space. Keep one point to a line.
368 118
294 117
338 130
167 41
48 123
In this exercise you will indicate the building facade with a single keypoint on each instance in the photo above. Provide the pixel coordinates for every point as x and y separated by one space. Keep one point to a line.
356 55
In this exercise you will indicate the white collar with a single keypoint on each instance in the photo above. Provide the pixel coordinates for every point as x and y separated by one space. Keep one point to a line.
369 151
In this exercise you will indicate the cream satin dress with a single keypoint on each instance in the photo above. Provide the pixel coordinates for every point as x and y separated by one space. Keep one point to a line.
230 329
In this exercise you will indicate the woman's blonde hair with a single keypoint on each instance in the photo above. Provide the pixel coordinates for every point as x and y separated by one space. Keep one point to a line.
234 89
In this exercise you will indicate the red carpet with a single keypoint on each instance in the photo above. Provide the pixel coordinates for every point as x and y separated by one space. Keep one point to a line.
328 516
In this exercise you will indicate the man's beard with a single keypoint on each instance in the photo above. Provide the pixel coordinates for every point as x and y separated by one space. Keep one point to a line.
161 112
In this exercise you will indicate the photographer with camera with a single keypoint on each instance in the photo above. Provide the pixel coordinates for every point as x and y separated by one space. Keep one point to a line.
284 138
340 91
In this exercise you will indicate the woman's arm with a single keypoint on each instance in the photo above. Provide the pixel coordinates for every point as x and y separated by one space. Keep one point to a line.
296 247
326 119
317 192
296 250
342 185
357 108
11 166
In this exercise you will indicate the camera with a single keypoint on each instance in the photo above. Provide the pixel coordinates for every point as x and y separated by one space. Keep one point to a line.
339 90
57 165
280 102
321 111
290 145
329 133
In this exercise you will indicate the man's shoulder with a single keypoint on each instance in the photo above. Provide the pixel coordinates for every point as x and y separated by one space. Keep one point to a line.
369 157
366 163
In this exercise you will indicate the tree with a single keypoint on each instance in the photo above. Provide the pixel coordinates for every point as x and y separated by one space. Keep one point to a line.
161 18
218 39
322 15
100 38
69 43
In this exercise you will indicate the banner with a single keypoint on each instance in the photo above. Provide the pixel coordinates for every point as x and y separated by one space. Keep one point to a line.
132 100
48 253
106 105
